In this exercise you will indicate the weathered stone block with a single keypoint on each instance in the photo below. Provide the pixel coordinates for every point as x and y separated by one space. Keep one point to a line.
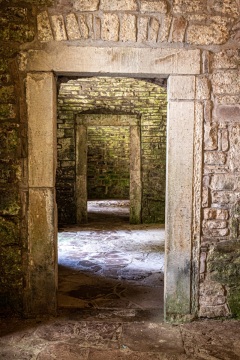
181 87
9 232
226 7
44 27
212 300
7 111
7 94
208 111
210 137
42 251
128 28
214 33
227 82
165 28
15 14
215 158
86 5
130 60
202 88
8 140
185 6
227 59
59 28
97 28
142 33
234 149
225 182
66 149
212 232
178 29
84 29
205 196
153 6
214 224
110 27
227 113
41 105
153 29
203 258
3 65
72 28
224 140
9 173
214 311
213 213
224 198
118 5
223 264
10 204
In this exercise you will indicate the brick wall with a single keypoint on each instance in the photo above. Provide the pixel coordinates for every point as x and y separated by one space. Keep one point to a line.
115 95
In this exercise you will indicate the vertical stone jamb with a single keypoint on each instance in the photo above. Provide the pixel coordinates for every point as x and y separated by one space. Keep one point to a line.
81 172
179 200
41 287
135 175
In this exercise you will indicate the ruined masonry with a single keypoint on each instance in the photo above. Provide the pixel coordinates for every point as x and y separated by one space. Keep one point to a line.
195 46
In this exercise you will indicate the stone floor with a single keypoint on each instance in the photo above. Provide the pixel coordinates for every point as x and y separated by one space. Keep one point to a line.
109 263
110 292
117 335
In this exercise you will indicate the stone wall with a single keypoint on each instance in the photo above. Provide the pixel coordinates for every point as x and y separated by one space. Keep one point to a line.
209 25
115 95
108 162
147 22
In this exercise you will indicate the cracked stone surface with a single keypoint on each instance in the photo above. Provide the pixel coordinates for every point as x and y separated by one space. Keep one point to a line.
115 335
109 263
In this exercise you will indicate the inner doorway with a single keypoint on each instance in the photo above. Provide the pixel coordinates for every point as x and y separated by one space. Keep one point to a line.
126 271
108 161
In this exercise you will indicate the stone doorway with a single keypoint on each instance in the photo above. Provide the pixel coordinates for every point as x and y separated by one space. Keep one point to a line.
184 142
135 190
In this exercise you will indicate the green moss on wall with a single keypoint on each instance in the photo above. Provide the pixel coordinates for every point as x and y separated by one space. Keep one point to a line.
224 267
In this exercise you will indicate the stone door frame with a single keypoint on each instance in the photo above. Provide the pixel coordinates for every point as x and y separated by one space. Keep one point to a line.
184 163
135 192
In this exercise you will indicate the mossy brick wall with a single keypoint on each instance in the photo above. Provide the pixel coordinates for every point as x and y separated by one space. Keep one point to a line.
16 27
108 167
123 96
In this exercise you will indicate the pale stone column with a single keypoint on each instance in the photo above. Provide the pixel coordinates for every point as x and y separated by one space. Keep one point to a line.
135 176
179 196
41 287
81 173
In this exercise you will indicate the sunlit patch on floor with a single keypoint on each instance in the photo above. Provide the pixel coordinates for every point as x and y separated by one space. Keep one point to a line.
109 263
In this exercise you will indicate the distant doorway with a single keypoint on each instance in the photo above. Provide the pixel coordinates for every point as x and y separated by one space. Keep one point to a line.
85 121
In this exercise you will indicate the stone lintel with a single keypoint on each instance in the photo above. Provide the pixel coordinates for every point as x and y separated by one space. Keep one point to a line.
64 59
107 120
